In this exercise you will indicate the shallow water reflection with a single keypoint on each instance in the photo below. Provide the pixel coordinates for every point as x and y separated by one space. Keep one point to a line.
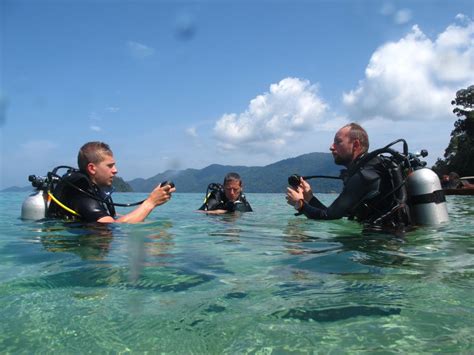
253 283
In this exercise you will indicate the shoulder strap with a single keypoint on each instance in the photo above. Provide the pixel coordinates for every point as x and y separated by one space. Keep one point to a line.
214 190
78 179
214 196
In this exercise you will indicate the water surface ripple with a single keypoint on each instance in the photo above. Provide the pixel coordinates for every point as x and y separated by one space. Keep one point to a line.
265 282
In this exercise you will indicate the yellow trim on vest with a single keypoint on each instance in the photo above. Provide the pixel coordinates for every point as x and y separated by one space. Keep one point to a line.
207 197
61 205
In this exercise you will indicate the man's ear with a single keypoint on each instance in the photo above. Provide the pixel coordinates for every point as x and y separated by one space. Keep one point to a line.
91 170
356 145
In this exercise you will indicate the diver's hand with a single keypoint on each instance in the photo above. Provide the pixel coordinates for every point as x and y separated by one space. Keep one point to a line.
161 195
158 196
294 196
306 188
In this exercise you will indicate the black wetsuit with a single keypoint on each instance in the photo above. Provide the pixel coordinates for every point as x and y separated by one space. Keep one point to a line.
88 208
369 196
217 200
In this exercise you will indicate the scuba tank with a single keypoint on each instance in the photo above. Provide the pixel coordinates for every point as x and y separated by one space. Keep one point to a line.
426 197
34 207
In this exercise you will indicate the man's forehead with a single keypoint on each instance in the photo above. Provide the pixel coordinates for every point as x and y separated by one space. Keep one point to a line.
344 131
232 182
108 158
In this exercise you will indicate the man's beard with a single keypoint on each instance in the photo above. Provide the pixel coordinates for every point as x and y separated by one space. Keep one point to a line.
342 160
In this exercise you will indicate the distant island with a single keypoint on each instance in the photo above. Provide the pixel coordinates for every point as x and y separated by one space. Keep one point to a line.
271 178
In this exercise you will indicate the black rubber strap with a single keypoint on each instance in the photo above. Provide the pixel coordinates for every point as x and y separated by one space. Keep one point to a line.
434 197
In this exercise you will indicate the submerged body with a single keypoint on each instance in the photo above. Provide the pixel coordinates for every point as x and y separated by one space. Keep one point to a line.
367 196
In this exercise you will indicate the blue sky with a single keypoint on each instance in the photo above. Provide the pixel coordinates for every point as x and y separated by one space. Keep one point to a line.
184 84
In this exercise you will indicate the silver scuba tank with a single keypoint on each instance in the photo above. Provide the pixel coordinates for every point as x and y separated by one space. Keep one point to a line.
426 198
35 205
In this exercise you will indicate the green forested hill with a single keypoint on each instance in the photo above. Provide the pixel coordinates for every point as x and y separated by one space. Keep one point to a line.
121 186
270 178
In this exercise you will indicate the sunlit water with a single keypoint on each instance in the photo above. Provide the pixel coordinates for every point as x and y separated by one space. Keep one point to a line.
265 282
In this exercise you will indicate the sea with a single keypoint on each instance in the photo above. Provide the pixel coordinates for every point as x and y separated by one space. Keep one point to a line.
265 282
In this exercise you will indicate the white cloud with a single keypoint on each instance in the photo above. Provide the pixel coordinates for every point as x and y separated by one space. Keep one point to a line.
415 78
95 128
139 50
191 131
462 18
291 108
402 16
112 109
410 81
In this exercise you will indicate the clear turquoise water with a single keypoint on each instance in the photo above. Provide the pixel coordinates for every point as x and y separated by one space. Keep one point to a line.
261 283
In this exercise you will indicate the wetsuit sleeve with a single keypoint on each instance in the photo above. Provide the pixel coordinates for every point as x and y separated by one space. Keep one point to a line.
89 209
360 187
